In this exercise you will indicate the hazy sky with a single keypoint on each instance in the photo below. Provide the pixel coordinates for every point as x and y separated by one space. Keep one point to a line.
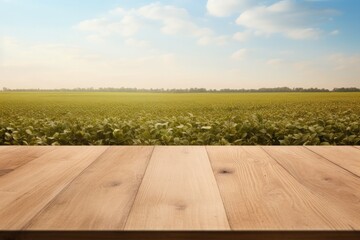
179 43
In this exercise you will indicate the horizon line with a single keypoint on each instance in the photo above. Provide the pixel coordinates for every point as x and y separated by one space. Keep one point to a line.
183 90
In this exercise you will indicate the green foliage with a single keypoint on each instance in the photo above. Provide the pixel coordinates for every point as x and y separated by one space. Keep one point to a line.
179 119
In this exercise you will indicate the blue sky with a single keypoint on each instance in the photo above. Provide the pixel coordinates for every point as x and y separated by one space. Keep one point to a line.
179 44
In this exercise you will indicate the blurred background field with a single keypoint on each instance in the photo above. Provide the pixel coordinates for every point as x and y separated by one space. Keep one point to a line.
95 118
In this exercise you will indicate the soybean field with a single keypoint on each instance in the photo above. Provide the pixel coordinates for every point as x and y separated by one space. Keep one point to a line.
104 118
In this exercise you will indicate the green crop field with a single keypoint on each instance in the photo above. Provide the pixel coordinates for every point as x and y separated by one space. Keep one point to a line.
68 118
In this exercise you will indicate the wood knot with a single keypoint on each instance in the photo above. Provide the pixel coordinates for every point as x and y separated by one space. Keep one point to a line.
180 207
113 184
226 171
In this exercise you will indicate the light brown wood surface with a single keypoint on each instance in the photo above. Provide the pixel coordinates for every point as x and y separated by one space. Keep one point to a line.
255 189
14 157
101 197
5 148
179 188
178 192
345 157
335 186
24 192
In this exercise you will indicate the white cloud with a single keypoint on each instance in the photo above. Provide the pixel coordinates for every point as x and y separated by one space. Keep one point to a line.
293 19
165 13
136 43
212 39
177 21
304 33
242 36
126 26
222 8
173 20
240 54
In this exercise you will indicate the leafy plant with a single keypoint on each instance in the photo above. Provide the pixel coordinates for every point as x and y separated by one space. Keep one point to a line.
179 119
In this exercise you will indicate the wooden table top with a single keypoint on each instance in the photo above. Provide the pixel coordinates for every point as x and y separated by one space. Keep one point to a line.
180 188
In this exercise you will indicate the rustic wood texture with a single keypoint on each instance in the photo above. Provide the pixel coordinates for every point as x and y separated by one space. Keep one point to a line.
24 192
3 148
180 188
338 189
255 189
14 157
101 198
179 192
345 157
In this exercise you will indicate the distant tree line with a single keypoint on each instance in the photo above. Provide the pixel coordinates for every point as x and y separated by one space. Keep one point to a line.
186 90
346 89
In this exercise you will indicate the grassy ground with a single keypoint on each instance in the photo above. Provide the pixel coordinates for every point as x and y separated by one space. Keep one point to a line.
172 119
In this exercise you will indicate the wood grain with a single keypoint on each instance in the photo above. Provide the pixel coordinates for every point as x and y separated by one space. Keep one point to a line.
259 194
338 188
111 188
6 147
347 157
101 198
178 192
14 157
24 192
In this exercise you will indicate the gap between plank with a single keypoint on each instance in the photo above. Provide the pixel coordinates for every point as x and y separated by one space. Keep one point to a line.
274 158
313 191
333 162
280 164
137 191
217 185
356 147
62 190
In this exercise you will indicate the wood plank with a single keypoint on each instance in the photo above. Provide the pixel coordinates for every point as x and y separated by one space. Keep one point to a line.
338 188
14 157
346 157
7 147
4 150
24 192
259 194
178 192
101 198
